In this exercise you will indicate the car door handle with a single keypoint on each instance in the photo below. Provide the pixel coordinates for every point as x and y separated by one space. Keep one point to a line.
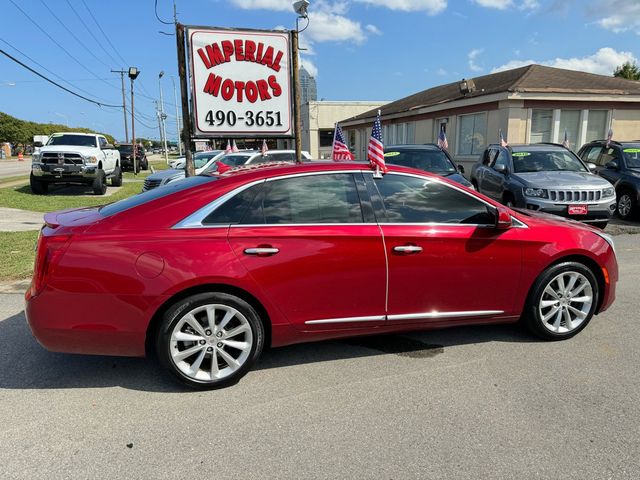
261 251
407 249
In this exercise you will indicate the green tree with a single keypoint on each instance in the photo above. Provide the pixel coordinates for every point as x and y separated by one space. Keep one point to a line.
628 70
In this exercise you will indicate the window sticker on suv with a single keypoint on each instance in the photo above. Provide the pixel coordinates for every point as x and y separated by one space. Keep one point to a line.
631 150
520 154
391 154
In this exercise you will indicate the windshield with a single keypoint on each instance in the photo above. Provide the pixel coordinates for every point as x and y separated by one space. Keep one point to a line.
546 161
428 160
77 140
201 159
632 155
125 148
235 159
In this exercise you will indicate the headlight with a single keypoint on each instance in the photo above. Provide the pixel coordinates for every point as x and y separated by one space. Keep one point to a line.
35 157
535 192
608 192
90 159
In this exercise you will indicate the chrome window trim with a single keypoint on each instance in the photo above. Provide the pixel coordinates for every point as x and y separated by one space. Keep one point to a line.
439 315
375 318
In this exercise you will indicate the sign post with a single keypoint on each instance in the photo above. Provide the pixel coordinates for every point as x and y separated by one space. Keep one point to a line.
296 95
186 120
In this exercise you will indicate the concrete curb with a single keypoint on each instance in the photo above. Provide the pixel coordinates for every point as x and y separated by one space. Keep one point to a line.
15 286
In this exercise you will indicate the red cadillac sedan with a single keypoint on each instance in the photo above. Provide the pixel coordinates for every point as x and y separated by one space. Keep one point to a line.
206 272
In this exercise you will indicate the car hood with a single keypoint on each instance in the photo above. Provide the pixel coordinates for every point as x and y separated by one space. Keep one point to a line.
561 180
548 218
68 148
164 174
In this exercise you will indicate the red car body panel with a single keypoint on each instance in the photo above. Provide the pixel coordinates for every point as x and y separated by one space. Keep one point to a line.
118 272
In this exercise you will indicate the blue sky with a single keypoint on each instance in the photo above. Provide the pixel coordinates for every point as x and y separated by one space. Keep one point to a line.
358 49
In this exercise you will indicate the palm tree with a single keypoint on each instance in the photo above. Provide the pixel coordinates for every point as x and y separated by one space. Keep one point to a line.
628 70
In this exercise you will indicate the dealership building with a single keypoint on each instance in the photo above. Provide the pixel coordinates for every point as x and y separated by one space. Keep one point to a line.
529 104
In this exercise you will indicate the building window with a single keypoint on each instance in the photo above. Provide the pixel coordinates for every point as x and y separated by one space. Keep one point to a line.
439 125
400 133
325 138
472 134
596 125
411 132
570 122
541 125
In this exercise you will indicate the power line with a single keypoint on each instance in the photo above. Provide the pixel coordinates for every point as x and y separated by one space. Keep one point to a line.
57 84
159 19
104 34
49 71
60 46
73 34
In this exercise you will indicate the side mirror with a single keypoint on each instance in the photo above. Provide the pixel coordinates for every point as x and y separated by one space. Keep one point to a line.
592 167
501 169
107 146
612 165
37 144
503 219
461 168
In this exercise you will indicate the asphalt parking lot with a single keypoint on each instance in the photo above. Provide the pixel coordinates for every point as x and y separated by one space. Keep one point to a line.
473 402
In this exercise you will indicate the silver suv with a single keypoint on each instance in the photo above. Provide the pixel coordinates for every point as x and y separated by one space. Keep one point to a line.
545 177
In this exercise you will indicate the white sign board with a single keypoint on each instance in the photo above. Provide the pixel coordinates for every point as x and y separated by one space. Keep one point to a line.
241 82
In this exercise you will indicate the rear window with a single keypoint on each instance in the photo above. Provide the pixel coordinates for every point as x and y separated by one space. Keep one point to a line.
154 194
427 160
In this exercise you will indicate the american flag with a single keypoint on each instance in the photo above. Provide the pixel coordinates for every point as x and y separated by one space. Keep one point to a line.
234 148
228 149
265 149
375 152
609 137
503 141
442 140
340 149
565 144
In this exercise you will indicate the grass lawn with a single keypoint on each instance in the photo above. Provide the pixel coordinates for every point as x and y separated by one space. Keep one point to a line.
17 251
17 178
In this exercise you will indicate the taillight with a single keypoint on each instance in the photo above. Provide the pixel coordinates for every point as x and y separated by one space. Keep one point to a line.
48 254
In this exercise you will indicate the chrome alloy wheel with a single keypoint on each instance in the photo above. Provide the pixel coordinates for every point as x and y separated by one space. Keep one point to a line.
624 205
566 302
211 342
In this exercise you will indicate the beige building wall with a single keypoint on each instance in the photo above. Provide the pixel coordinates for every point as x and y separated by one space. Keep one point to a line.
626 124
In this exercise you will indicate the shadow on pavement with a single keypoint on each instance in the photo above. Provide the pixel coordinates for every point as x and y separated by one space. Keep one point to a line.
24 364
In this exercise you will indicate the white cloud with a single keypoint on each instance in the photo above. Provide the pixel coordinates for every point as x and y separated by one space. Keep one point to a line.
473 54
326 26
432 7
309 66
372 29
499 4
624 16
264 4
603 62
529 5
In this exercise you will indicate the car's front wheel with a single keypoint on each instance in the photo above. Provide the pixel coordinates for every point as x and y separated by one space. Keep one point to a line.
38 187
562 301
209 340
99 184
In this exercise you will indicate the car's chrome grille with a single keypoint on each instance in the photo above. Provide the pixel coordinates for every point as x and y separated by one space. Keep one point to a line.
62 159
575 196
151 183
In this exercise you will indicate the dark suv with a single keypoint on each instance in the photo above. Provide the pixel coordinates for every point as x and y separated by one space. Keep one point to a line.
620 164
427 157
126 157
545 177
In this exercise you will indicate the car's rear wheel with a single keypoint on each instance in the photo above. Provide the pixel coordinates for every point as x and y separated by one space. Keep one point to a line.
37 186
209 340
99 184
116 179
626 205
562 301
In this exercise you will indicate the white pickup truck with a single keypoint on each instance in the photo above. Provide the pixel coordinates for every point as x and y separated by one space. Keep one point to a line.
76 158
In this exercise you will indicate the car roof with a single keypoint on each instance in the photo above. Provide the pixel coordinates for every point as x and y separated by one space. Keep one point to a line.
533 146
77 133
416 146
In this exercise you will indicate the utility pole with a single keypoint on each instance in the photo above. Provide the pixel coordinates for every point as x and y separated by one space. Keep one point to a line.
175 99
124 105
133 74
159 120
186 124
163 116
296 96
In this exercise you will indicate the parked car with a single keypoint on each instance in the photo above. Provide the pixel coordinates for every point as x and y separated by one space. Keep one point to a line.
208 271
619 163
75 159
427 157
126 157
275 156
545 177
201 161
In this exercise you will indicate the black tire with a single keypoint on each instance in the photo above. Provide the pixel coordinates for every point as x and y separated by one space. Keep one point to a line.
166 347
99 184
38 187
116 179
144 164
508 200
626 205
532 316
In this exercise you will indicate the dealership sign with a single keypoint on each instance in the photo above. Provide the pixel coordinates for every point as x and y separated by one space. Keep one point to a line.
240 82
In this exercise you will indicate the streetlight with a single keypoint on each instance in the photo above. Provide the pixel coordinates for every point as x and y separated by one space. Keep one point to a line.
163 116
300 7
133 74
